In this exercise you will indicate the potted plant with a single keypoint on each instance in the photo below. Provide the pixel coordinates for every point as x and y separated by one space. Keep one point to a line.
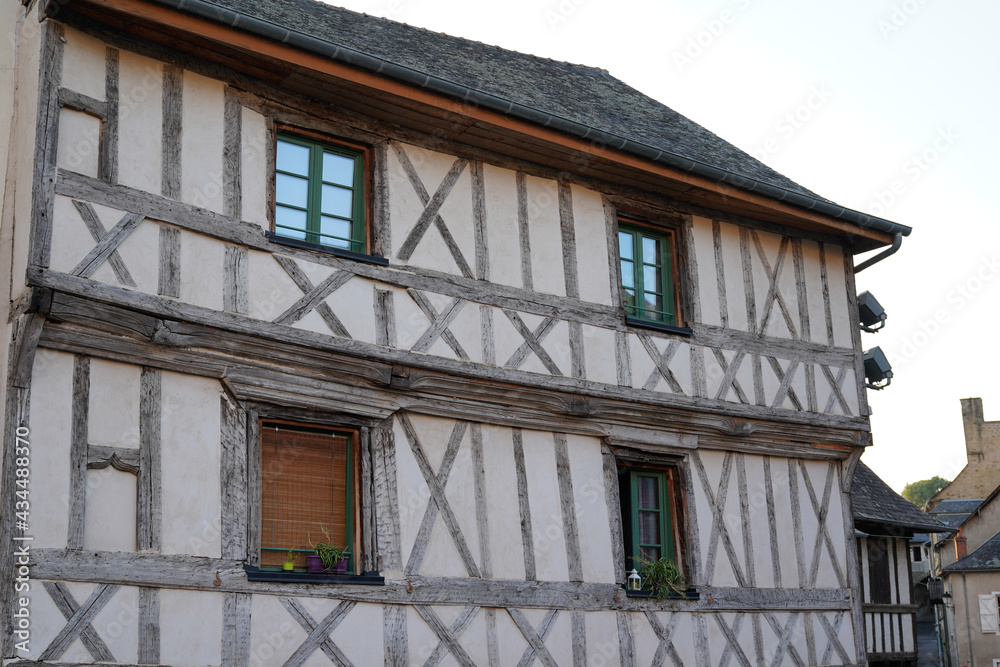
327 558
662 577
289 563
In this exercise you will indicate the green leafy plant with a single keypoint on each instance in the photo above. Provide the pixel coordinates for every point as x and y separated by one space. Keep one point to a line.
329 554
290 558
662 577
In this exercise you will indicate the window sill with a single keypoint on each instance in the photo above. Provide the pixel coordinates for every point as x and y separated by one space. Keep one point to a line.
329 250
689 594
659 326
366 579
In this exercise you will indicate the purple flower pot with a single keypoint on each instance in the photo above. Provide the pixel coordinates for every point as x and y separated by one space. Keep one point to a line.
314 564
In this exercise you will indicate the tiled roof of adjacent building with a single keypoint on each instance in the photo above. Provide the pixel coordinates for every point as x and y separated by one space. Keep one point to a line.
986 557
873 501
593 104
953 513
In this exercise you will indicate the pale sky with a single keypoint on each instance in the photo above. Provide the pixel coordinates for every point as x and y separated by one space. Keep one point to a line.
884 106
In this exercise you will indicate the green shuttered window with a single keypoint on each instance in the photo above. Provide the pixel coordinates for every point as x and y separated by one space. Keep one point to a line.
320 193
647 515
647 270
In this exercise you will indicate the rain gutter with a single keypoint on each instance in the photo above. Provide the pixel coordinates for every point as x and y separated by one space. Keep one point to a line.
442 86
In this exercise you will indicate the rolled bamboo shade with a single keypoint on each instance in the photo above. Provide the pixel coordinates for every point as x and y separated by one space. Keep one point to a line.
303 491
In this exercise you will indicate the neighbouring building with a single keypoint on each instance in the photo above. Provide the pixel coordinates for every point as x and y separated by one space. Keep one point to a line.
497 325
982 447
885 523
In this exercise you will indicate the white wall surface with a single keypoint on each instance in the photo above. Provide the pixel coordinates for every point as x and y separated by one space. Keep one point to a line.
201 142
51 425
140 122
190 628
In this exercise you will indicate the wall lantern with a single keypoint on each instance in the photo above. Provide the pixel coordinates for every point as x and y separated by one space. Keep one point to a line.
878 372
634 581
872 313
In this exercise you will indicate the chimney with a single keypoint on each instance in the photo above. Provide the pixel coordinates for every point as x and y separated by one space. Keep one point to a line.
972 420
960 549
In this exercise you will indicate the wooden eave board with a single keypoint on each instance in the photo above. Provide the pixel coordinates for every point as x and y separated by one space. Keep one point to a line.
390 101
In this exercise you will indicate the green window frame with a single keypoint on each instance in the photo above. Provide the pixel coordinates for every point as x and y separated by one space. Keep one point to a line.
646 258
319 193
648 513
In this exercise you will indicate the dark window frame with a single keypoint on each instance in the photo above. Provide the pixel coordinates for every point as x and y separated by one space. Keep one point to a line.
671 318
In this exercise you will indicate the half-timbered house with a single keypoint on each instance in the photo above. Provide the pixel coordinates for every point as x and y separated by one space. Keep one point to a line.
499 326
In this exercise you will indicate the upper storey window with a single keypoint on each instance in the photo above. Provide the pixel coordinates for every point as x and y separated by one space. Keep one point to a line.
647 269
320 193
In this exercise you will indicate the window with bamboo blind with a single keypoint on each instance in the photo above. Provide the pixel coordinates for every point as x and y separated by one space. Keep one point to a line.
307 491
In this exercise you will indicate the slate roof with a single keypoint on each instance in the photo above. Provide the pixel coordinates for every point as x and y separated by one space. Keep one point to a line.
985 558
528 85
953 513
873 501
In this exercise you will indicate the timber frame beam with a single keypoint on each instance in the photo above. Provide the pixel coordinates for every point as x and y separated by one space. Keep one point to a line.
450 119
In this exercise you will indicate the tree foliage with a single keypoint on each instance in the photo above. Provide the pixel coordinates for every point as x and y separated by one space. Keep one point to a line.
920 492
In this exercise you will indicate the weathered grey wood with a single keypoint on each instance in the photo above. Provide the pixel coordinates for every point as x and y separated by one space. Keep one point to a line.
732 643
319 633
797 534
435 484
381 227
846 478
729 379
720 274
394 636
613 501
785 389
439 323
369 546
798 350
479 217
46 141
98 232
314 297
149 625
626 640
614 258
236 281
855 319
567 502
67 605
774 294
107 245
482 512
454 632
80 621
836 395
173 102
446 638
833 641
119 458
758 380
692 562
487 336
535 639
386 499
80 102
233 480
385 318
302 281
661 363
825 282
567 229
577 354
232 156
524 507
750 297
492 640
109 134
253 487
579 622
235 630
690 291
785 638
699 379
664 635
821 508
701 650
196 573
747 526
433 505
169 280
78 451
524 231
623 359
149 511
772 523
811 399
533 339
758 638
432 207
719 531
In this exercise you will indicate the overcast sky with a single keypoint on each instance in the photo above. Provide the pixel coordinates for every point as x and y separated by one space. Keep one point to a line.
884 106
